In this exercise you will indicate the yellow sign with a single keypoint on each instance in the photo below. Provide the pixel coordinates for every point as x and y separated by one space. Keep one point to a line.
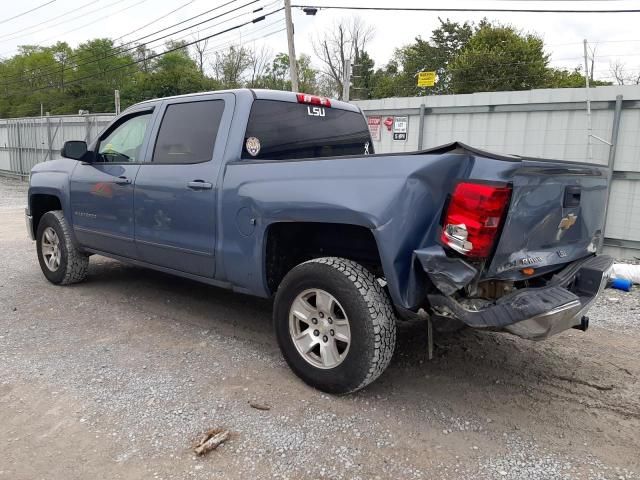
426 79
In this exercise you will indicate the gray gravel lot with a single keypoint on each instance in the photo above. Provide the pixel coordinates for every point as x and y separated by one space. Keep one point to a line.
117 376
13 192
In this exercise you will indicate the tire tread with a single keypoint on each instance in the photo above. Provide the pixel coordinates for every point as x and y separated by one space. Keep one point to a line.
380 309
77 262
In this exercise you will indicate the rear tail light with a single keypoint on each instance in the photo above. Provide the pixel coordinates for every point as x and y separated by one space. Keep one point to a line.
473 217
313 99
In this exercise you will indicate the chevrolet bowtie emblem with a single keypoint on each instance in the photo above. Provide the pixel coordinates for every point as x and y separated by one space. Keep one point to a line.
567 222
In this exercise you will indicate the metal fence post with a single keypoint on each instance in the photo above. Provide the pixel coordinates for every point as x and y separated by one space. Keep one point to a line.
87 129
49 145
615 129
19 146
421 127
617 115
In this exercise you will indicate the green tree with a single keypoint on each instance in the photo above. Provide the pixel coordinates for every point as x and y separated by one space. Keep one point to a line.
230 66
497 58
174 73
563 78
98 68
362 76
276 76
399 77
384 81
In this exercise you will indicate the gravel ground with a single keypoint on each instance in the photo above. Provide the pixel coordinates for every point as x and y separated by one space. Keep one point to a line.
116 377
13 192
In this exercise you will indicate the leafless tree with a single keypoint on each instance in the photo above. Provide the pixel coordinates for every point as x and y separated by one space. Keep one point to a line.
347 39
141 54
200 48
620 74
260 60
591 58
617 71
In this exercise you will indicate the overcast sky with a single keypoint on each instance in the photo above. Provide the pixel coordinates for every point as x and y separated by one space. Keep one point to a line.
616 36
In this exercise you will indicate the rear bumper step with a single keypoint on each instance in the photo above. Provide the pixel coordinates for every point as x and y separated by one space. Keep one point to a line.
537 313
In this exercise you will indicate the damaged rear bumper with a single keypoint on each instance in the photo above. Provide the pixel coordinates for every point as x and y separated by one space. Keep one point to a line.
536 313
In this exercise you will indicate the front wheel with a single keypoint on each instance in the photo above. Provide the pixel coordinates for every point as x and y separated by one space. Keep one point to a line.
334 324
60 260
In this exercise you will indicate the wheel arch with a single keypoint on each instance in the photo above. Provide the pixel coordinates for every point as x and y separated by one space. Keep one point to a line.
41 203
283 248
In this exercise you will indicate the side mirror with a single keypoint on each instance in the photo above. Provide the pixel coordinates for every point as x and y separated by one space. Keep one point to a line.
74 149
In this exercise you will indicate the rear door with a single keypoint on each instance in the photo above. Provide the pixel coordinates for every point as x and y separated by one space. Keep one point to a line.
556 215
176 193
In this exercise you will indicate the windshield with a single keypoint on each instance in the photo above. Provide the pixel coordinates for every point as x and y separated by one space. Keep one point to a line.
285 130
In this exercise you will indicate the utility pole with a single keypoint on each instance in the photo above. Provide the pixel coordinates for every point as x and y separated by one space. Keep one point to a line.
586 81
293 64
116 95
346 79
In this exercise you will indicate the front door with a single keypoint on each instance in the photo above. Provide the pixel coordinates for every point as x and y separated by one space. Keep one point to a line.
102 191
175 194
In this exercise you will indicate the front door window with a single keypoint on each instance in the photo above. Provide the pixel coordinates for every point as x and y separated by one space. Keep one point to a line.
123 143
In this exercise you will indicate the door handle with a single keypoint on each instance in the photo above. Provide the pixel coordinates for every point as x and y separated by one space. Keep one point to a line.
122 181
200 185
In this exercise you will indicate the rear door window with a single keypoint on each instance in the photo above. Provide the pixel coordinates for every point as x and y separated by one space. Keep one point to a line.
188 132
286 130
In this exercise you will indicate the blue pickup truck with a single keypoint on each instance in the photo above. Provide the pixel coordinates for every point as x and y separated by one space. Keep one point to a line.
280 195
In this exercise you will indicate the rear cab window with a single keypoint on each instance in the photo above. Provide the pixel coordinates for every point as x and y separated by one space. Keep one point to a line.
279 130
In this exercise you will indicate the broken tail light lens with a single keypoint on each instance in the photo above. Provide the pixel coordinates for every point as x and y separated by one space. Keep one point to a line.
313 100
473 217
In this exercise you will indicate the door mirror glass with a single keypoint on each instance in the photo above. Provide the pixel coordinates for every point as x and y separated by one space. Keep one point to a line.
74 149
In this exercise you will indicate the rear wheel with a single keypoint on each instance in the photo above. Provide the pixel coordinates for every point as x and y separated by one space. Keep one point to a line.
61 262
335 324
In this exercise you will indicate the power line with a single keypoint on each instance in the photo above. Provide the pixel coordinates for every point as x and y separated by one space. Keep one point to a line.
161 17
249 38
94 21
97 101
264 7
427 9
151 57
22 30
434 58
13 37
121 49
28 11
268 5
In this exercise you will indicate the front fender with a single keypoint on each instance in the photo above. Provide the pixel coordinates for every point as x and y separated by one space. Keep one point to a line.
52 178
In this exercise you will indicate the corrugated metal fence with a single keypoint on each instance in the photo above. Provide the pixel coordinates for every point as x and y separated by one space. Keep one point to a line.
538 123
27 141
542 123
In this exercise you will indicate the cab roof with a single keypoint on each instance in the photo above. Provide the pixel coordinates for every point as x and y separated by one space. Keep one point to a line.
257 94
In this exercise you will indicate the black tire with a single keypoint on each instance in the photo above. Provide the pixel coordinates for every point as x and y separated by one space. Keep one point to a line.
370 315
73 263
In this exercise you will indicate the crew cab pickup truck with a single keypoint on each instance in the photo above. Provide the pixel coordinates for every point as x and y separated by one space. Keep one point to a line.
278 194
